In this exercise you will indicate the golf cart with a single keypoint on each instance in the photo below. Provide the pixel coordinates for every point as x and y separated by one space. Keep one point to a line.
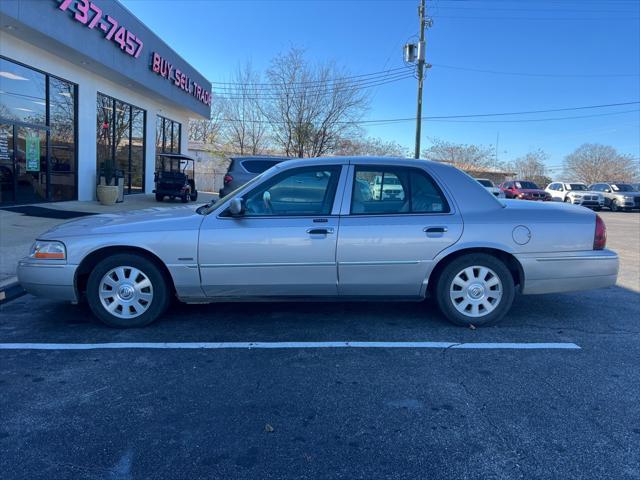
174 179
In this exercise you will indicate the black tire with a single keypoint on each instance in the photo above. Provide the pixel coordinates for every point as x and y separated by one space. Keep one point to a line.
597 209
159 197
159 288
567 200
449 273
184 198
613 206
194 196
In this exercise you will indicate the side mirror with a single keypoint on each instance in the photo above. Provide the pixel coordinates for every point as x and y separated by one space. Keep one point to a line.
607 190
236 207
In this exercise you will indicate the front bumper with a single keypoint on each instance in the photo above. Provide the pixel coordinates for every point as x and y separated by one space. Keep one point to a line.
568 271
588 203
50 280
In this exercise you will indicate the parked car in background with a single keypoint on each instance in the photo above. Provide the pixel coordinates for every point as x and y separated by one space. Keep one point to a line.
524 190
488 184
387 186
618 196
307 229
576 193
636 186
243 169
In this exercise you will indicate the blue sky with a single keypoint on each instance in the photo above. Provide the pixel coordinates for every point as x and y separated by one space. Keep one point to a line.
567 54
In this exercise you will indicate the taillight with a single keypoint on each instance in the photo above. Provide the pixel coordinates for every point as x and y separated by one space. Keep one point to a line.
600 237
227 179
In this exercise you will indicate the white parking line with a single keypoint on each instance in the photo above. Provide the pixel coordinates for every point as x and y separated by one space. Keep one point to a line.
285 345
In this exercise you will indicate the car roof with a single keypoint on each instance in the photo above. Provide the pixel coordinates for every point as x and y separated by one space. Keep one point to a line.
350 160
174 156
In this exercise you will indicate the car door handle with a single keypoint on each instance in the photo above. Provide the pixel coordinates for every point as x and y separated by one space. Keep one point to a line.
435 229
319 231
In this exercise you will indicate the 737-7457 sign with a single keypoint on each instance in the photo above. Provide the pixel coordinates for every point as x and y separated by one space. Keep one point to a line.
90 14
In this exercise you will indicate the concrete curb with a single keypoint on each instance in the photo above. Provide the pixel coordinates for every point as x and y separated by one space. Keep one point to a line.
10 289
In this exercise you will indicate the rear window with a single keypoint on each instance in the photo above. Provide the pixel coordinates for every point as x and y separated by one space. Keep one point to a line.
527 185
485 183
258 166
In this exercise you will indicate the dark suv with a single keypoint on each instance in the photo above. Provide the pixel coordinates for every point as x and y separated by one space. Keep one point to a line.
243 169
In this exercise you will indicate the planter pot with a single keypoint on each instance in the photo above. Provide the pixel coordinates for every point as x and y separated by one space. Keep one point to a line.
107 194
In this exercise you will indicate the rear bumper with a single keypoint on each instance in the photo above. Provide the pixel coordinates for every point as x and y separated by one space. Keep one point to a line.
50 281
566 272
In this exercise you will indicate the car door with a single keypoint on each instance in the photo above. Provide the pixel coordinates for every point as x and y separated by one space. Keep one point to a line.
387 243
284 244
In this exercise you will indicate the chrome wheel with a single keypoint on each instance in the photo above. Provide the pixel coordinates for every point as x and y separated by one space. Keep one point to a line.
125 292
476 291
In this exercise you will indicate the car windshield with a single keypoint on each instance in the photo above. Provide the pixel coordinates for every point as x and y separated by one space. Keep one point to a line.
527 185
577 186
485 183
622 187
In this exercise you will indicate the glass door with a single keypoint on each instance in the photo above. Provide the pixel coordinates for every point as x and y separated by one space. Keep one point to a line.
30 164
7 184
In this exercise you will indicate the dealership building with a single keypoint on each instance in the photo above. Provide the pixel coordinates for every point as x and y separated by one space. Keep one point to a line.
85 85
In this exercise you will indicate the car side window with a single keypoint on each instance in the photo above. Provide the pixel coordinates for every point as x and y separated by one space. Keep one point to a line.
304 191
395 190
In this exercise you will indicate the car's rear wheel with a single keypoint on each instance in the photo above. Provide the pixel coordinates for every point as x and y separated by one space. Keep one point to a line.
127 291
194 196
475 289
159 197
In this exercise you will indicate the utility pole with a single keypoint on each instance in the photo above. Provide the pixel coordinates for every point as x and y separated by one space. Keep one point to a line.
421 64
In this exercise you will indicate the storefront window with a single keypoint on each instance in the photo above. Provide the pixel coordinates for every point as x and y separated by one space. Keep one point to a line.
38 117
62 137
168 136
120 140
23 94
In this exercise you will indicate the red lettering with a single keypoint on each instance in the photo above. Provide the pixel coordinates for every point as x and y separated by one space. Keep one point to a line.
155 64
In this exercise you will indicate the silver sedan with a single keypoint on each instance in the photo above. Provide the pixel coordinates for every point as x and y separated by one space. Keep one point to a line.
348 228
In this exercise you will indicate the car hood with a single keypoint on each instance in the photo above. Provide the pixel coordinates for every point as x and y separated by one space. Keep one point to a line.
583 192
147 220
531 190
627 194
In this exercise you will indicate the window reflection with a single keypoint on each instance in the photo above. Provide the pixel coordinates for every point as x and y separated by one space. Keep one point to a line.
62 140
23 97
168 137
120 140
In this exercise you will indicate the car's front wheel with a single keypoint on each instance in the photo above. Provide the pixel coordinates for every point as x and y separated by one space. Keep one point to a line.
475 289
614 205
127 290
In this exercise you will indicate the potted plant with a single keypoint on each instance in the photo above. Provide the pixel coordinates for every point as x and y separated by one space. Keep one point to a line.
107 189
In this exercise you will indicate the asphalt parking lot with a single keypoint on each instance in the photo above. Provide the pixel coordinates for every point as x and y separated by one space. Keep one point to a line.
427 411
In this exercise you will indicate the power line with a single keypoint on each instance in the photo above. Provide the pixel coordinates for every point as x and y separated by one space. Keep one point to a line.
529 112
317 93
529 74
322 82
480 115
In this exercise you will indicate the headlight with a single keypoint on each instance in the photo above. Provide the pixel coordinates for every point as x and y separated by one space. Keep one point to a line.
48 250
628 197
578 196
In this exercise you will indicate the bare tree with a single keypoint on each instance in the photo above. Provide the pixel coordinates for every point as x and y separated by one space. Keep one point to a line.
362 145
532 167
310 108
208 131
592 162
460 154
245 124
